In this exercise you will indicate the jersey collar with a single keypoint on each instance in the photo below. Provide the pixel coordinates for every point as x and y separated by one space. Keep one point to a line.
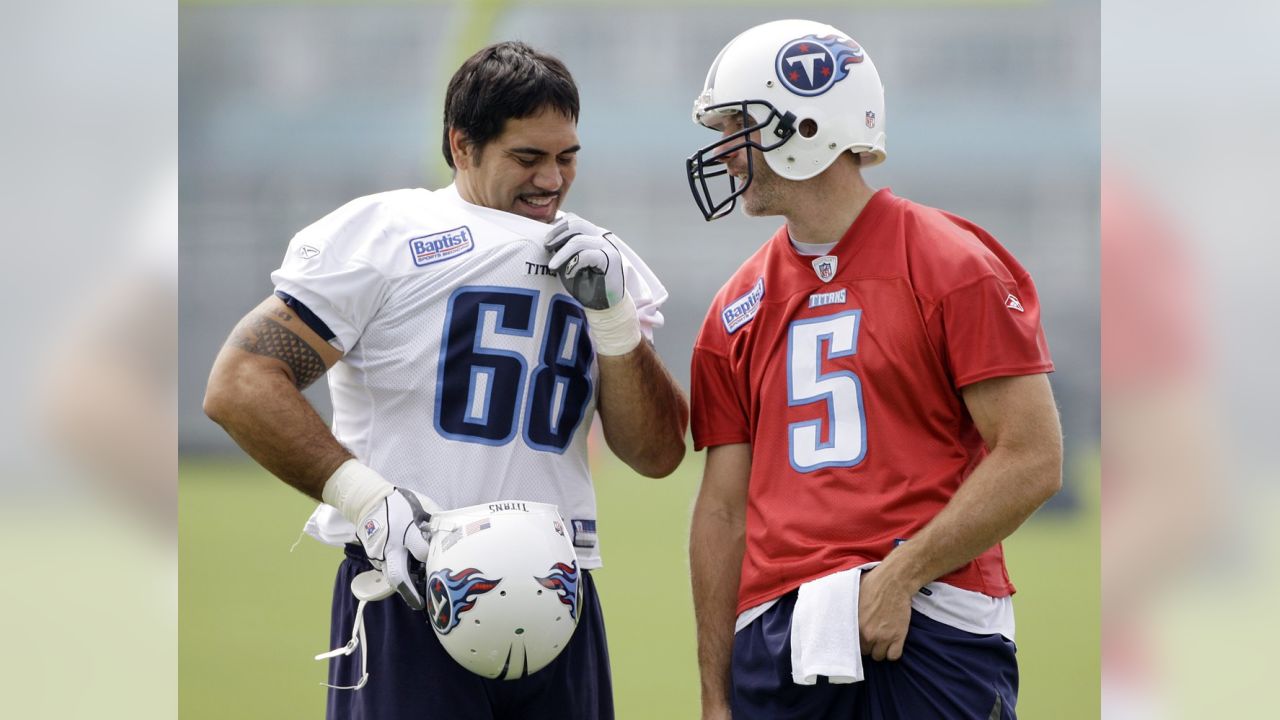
853 239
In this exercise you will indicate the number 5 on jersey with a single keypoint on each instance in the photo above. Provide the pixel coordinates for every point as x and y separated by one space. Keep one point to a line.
480 386
840 393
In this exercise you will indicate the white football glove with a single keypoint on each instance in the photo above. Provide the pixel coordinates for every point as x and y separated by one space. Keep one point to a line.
391 523
589 265
587 262
396 527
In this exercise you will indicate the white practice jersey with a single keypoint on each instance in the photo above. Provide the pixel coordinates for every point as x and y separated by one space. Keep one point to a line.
468 372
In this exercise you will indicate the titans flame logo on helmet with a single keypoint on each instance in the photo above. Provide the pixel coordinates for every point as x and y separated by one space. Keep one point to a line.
564 580
811 65
449 594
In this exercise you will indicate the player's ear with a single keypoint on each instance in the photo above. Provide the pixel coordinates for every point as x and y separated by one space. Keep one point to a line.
463 150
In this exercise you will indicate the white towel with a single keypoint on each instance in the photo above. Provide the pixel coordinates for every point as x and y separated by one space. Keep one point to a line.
824 630
328 526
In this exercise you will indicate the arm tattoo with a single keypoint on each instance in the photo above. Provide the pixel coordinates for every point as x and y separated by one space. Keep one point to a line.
262 335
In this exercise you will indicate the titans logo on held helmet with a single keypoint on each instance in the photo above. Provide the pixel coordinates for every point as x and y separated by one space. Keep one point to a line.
811 65
449 594
564 580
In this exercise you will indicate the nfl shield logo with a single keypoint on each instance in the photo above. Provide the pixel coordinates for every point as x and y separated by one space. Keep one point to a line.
825 267
871 119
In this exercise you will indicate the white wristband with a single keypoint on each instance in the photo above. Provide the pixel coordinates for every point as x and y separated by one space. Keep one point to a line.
616 330
355 489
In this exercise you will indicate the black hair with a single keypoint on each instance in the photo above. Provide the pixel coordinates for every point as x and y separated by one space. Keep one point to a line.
503 81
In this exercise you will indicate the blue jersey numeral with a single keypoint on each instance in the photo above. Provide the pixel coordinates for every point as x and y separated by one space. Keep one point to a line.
480 386
561 385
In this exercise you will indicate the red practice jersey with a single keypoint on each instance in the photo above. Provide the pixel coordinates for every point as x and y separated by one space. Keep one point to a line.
843 371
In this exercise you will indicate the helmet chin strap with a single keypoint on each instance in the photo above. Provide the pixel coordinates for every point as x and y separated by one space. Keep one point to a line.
369 586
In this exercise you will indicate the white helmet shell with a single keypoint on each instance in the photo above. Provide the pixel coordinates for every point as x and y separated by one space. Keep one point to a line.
810 91
809 69
502 586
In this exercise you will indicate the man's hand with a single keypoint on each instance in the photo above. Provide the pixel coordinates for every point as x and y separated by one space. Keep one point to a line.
390 522
587 262
394 528
884 614
590 266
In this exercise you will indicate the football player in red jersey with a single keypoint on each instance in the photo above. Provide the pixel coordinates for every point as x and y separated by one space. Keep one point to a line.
871 387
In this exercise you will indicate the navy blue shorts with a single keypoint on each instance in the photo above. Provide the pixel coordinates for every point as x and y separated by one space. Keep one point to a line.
411 676
944 672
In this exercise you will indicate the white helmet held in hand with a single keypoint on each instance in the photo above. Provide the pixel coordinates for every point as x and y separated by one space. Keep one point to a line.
808 88
502 586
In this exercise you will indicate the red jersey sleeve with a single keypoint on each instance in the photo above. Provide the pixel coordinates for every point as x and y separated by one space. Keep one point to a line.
991 328
719 409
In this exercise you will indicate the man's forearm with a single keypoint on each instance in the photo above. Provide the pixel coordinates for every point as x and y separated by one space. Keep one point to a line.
643 411
716 545
267 416
1002 492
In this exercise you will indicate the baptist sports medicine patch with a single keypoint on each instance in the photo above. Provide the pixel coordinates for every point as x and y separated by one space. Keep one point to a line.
740 311
441 246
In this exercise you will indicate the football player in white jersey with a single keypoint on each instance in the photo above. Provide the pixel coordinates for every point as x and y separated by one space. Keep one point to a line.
469 335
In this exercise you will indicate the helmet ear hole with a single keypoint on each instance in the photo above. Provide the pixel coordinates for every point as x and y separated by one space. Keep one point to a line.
808 128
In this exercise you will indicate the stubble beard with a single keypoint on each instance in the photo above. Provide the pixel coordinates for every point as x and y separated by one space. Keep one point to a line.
762 197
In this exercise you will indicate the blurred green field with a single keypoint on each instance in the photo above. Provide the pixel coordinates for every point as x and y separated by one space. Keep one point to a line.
252 613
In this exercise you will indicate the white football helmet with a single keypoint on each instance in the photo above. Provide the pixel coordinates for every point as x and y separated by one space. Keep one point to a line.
809 90
502 586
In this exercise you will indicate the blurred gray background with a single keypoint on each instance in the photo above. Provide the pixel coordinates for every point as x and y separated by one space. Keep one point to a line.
289 110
